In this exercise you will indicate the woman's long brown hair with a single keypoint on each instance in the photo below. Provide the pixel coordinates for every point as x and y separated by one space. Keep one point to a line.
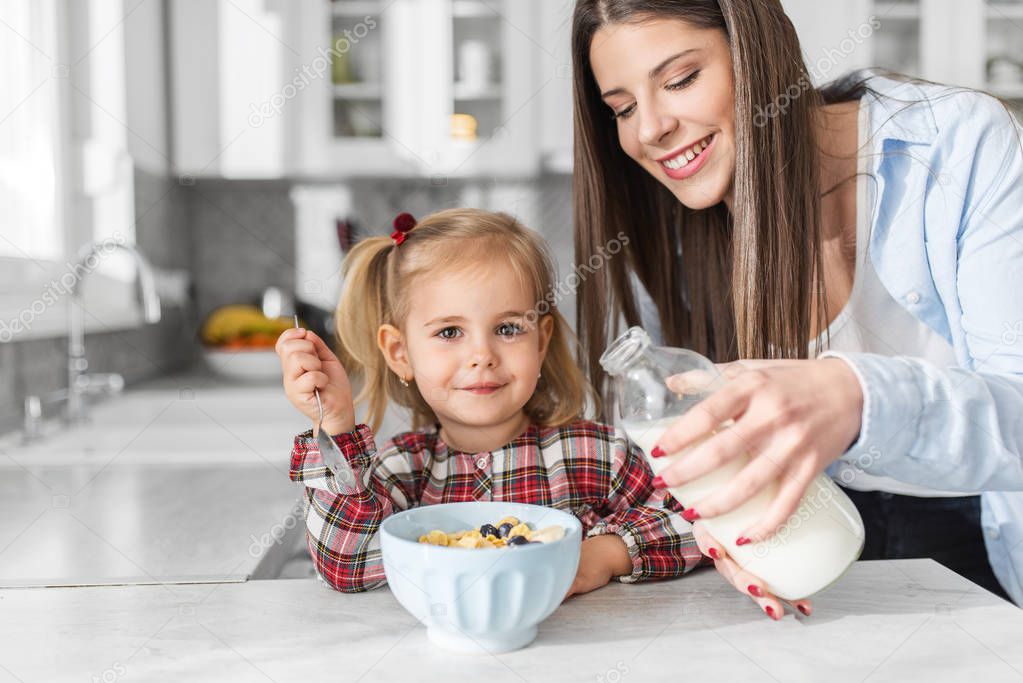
747 282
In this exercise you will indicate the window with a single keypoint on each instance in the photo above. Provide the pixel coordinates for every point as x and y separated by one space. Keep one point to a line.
65 174
29 132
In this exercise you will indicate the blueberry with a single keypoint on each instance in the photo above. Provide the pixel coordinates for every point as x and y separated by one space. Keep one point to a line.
488 530
505 529
518 540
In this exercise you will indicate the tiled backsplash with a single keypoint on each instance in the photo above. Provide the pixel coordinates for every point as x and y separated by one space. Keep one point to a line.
243 240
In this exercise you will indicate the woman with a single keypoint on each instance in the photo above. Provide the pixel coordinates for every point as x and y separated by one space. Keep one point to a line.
878 219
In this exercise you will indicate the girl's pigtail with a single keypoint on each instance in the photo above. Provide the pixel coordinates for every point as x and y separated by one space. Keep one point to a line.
564 393
360 313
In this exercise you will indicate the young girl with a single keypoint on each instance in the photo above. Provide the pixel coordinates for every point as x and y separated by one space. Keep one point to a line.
449 317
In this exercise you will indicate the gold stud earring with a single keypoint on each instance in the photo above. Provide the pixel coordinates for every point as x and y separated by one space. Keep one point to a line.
404 382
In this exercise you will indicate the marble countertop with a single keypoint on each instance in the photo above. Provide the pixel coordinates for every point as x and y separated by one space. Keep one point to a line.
74 525
181 479
884 621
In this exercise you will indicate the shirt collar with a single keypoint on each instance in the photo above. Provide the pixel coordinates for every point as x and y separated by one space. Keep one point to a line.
441 448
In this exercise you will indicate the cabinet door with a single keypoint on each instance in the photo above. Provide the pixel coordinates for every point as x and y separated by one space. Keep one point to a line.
427 88
480 87
349 49
231 75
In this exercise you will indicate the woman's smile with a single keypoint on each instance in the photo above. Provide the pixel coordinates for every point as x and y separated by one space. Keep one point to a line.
687 161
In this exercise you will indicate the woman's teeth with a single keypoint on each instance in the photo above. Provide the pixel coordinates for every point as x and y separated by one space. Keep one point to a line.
687 155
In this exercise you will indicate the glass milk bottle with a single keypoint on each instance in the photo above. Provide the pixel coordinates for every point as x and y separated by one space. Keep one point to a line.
814 547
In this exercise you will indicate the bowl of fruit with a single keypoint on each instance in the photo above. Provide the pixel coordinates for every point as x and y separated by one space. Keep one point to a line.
238 342
482 575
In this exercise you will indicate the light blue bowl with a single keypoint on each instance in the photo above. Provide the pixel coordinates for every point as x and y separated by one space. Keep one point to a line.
484 600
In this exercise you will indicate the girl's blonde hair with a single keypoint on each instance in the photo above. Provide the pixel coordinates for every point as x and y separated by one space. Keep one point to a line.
378 276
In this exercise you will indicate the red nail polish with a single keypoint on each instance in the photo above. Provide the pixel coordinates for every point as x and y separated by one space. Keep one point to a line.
742 540
690 515
803 609
770 612
657 452
659 482
713 552
755 591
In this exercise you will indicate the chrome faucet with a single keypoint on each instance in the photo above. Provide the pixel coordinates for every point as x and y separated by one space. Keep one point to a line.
79 383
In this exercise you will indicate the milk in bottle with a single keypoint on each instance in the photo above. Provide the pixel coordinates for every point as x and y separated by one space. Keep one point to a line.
816 544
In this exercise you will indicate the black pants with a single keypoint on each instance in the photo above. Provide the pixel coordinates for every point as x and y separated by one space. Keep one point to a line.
946 530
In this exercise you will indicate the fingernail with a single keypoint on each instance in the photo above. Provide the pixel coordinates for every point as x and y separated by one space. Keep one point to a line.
690 515
713 552
755 591
770 612
657 452
659 482
742 540
803 609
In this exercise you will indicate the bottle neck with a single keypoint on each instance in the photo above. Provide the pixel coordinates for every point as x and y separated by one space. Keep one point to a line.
625 351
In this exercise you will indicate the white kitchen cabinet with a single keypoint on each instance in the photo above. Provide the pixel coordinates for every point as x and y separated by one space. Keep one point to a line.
344 114
970 43
328 89
408 75
342 88
232 87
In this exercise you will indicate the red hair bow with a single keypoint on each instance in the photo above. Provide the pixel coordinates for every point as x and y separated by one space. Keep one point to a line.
403 222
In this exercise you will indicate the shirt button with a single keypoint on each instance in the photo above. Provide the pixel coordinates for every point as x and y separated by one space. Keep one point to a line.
483 461
993 534
913 297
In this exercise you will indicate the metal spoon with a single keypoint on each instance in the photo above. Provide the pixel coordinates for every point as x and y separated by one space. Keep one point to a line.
333 458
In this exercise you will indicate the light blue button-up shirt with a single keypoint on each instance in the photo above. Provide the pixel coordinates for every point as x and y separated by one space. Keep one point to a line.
947 243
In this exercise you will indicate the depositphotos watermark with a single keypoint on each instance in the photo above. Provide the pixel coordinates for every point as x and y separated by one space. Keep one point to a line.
276 534
57 288
111 674
578 275
808 507
819 70
863 462
615 673
305 75
1012 334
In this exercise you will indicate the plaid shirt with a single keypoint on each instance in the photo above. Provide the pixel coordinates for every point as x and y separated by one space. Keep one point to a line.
584 468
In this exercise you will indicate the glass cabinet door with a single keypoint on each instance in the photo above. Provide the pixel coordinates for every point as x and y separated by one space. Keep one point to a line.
357 75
